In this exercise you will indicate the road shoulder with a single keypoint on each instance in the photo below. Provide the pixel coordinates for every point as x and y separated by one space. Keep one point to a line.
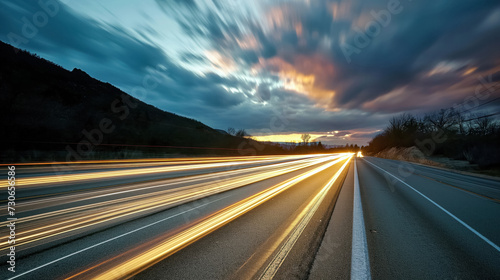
333 260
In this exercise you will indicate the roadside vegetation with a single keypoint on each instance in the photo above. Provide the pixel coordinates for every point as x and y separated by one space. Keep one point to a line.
445 133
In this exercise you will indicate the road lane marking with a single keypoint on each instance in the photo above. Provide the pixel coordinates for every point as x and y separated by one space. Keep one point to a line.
360 262
116 237
496 247
298 225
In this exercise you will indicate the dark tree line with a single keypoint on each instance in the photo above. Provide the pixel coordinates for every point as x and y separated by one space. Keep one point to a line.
445 132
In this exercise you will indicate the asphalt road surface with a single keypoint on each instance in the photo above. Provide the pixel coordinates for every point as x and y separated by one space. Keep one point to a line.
330 216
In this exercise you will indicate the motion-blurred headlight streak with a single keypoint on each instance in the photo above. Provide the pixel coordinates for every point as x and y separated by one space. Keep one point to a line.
23 182
140 187
65 167
139 259
149 160
62 223
233 176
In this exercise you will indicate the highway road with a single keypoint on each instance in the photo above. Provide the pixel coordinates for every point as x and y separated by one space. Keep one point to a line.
419 222
329 216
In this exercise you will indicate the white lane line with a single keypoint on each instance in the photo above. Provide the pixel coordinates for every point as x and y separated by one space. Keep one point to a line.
360 263
496 247
116 237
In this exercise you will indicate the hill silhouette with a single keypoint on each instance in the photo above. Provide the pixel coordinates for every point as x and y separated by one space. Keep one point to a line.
60 114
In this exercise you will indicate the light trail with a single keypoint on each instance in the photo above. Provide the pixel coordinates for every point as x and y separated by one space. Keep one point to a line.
59 224
161 160
92 176
28 168
145 255
138 187
113 239
67 167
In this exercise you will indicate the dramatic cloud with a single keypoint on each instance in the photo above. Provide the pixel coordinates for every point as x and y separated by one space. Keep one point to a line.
275 67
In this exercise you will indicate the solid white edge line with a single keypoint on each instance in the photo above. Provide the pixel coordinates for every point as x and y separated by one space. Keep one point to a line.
496 247
114 238
360 263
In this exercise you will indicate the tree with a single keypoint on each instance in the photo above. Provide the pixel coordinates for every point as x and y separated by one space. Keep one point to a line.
460 120
241 133
320 146
401 130
484 126
231 131
443 120
305 138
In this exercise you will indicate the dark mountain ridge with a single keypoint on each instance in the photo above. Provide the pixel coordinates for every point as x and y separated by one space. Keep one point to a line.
48 108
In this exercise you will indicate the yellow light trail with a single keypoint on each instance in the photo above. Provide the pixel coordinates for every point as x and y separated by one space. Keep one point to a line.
22 182
71 197
144 160
61 167
75 166
62 223
145 257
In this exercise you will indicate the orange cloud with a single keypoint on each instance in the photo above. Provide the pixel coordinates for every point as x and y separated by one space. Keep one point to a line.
221 64
248 42
298 29
308 75
276 17
340 10
283 17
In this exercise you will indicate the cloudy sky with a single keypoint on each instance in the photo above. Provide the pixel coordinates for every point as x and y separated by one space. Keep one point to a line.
335 69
